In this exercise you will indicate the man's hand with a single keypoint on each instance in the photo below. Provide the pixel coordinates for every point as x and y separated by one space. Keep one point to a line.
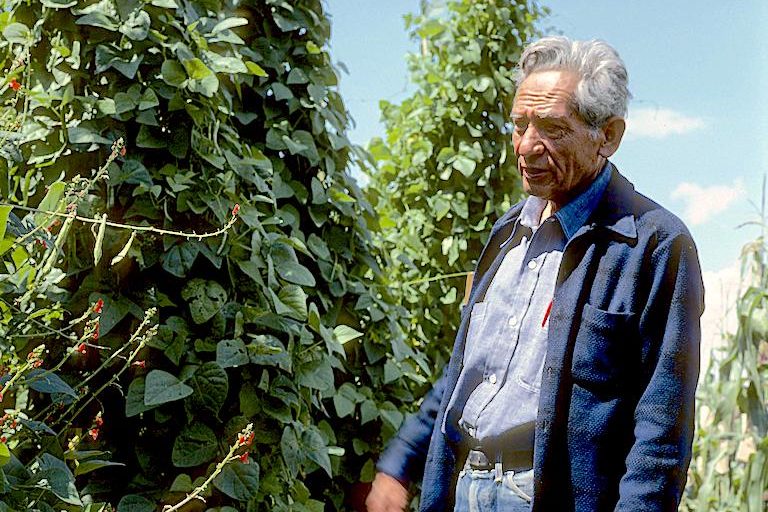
387 495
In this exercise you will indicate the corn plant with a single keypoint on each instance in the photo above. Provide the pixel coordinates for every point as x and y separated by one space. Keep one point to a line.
729 471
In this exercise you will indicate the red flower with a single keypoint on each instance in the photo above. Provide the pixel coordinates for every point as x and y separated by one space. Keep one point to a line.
94 433
15 85
123 151
244 458
81 348
140 363
245 441
96 331
98 420
235 210
3 439
98 306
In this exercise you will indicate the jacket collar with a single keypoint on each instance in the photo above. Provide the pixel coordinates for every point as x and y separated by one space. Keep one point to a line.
614 211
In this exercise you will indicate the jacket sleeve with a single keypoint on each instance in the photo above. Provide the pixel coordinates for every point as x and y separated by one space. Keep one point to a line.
406 452
670 332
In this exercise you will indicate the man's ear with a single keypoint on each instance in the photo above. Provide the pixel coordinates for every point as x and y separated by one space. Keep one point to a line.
613 131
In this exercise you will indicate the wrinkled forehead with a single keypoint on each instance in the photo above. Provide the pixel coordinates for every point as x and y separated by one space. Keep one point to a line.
546 94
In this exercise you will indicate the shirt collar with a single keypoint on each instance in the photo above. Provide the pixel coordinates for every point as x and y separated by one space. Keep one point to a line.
574 214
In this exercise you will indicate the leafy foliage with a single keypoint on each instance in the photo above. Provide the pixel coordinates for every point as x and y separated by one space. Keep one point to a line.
729 470
220 103
446 170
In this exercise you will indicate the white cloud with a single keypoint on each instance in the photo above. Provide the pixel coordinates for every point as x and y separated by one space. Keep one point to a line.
703 203
658 123
722 288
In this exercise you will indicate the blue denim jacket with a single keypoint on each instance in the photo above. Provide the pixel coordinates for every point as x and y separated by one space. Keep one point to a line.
615 421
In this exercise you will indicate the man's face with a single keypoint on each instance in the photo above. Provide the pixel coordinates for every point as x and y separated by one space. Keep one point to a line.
557 153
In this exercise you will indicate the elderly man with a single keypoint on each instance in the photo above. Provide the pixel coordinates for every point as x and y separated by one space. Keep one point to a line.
571 383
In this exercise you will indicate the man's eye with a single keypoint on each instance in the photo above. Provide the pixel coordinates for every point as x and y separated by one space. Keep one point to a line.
555 132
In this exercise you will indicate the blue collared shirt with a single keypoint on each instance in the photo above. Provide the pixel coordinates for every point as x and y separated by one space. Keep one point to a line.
497 393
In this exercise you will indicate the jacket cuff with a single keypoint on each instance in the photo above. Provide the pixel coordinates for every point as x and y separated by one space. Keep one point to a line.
393 462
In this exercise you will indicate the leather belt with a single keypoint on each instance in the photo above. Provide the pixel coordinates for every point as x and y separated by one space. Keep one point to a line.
515 461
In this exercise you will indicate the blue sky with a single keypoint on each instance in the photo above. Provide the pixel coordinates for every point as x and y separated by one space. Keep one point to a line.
698 75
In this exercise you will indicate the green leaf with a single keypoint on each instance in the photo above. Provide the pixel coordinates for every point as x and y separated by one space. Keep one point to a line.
136 27
148 99
162 387
295 272
239 481
179 260
97 19
344 400
94 464
196 69
53 474
316 375
295 299
229 23
268 350
316 450
58 4
134 400
345 333
368 411
45 381
173 73
312 48
135 503
205 299
211 385
5 212
221 64
464 165
17 33
431 28
231 353
195 445
5 455
49 203
255 69
391 414
182 483
292 455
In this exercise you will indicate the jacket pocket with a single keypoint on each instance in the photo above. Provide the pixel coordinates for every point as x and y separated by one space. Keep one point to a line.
603 347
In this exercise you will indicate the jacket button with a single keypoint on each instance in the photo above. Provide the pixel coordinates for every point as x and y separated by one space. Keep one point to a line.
550 371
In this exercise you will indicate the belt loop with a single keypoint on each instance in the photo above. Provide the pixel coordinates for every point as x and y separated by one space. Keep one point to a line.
499 468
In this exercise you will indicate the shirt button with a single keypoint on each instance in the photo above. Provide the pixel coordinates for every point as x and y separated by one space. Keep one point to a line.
532 264
492 378
512 321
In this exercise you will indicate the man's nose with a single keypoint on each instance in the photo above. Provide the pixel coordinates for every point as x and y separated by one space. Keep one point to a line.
530 142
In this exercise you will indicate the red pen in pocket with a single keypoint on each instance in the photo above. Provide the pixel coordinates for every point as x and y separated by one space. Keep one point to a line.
546 315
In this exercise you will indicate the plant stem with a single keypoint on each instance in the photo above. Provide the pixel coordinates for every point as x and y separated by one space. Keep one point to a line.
195 494
150 229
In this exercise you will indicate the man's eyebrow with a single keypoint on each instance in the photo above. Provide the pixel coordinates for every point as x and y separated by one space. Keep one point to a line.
546 116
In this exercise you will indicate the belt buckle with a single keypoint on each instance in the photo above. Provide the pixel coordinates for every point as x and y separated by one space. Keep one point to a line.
478 460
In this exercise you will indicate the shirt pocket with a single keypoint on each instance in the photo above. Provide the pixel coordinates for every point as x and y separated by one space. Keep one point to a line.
476 323
603 348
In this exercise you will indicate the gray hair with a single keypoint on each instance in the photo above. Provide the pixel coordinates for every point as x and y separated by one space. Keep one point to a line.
602 90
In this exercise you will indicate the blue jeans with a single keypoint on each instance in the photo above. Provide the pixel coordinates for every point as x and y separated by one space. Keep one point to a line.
480 491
